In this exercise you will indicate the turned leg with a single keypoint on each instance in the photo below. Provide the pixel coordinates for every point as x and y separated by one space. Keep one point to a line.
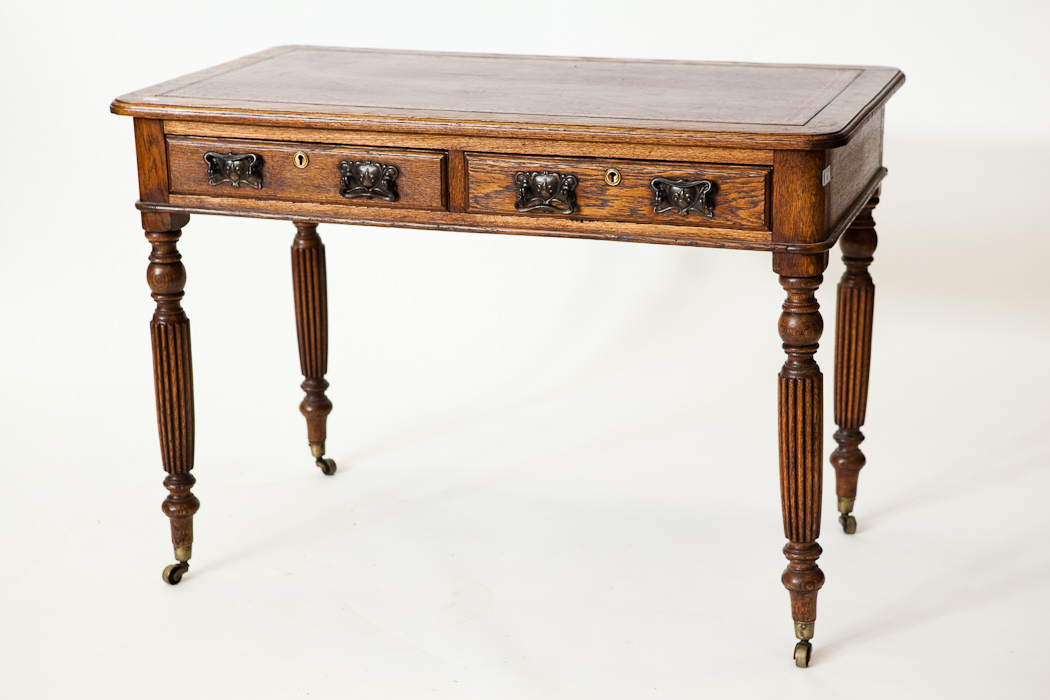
856 304
173 383
801 453
311 326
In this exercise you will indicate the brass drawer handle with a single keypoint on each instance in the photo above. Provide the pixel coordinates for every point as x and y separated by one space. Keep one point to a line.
369 179
684 196
545 191
235 168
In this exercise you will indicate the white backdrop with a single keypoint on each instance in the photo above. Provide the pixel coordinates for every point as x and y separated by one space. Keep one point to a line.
557 458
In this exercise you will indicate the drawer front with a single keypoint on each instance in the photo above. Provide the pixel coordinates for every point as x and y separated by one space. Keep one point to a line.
410 179
733 196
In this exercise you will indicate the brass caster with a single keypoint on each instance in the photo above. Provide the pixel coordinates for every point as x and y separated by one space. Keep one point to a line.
327 466
802 652
848 523
173 573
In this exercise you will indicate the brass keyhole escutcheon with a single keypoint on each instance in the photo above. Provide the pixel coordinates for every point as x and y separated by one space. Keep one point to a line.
612 177
301 160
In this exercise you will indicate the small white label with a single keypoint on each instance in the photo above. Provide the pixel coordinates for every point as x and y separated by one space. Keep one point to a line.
825 176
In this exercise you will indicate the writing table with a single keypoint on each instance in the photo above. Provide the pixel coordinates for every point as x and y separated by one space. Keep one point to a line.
777 158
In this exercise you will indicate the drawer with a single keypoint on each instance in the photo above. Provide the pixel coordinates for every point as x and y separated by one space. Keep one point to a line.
269 170
734 196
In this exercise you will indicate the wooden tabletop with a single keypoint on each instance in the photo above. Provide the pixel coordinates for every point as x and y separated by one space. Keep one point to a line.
748 105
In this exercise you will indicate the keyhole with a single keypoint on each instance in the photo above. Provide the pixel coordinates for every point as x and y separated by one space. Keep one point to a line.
612 177
301 160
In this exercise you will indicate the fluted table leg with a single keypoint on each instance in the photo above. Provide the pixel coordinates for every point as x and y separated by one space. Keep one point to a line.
853 321
311 326
173 383
800 395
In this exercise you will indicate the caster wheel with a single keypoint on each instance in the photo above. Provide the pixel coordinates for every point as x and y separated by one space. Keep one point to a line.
802 652
849 523
327 466
173 574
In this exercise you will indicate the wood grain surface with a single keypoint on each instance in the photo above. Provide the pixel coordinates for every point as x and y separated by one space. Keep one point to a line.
420 183
746 105
795 153
152 155
310 289
853 326
853 166
477 223
739 201
173 385
801 416
538 145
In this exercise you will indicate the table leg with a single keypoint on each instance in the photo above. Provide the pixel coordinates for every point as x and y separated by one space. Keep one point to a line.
853 317
311 326
800 395
173 383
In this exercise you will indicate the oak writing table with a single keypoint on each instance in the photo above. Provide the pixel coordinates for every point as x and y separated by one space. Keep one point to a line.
777 158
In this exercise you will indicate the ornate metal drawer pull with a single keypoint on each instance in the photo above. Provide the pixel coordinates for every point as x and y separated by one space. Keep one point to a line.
684 196
369 179
235 168
546 191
